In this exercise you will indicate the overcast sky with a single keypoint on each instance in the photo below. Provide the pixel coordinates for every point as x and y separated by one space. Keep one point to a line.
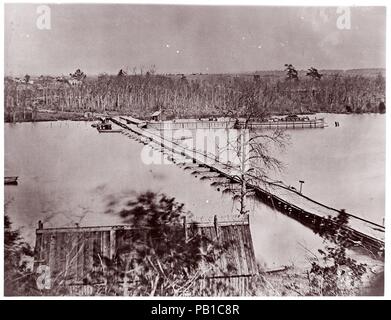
187 39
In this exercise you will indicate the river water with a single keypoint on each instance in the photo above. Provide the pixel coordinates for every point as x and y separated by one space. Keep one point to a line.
68 172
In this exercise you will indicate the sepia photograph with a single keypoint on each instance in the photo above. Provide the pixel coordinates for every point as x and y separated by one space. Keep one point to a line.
194 150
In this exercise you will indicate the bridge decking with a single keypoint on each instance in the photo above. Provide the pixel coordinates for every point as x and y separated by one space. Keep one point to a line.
277 195
135 121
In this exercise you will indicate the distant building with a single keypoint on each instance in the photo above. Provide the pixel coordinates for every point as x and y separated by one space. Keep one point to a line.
88 115
74 82
18 80
156 116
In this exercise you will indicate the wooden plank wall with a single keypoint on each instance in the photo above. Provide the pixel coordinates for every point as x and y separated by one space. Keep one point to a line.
239 258
73 253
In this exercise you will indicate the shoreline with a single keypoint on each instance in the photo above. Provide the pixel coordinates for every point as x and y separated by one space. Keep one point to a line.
90 116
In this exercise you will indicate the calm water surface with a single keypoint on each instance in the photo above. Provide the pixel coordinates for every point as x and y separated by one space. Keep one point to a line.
68 172
343 167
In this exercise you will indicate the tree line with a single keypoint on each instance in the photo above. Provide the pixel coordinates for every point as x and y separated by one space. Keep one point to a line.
198 95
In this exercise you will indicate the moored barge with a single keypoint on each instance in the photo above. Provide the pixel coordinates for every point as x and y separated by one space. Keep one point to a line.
288 122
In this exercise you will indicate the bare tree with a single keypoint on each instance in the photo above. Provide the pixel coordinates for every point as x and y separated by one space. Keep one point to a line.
253 149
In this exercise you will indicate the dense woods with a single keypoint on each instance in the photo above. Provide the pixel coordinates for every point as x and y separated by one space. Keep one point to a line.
196 95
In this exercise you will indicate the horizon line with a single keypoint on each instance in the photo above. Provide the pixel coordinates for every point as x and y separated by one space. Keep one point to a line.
195 73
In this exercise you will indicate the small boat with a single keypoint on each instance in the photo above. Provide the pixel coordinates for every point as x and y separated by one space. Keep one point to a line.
183 138
277 269
106 127
109 131
11 180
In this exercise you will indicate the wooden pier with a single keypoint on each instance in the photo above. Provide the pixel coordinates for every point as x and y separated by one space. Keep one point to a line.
131 120
73 254
290 202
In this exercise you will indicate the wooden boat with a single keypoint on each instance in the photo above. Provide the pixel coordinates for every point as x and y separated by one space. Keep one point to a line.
109 131
183 138
277 269
106 128
11 180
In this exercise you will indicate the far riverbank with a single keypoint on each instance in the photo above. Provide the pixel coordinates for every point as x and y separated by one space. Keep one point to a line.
53 115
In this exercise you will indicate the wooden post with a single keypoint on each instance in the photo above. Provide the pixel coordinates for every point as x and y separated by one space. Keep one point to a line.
301 185
112 244
217 150
215 222
185 227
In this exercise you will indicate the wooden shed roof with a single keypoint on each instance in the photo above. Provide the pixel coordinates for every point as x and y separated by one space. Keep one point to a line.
156 113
